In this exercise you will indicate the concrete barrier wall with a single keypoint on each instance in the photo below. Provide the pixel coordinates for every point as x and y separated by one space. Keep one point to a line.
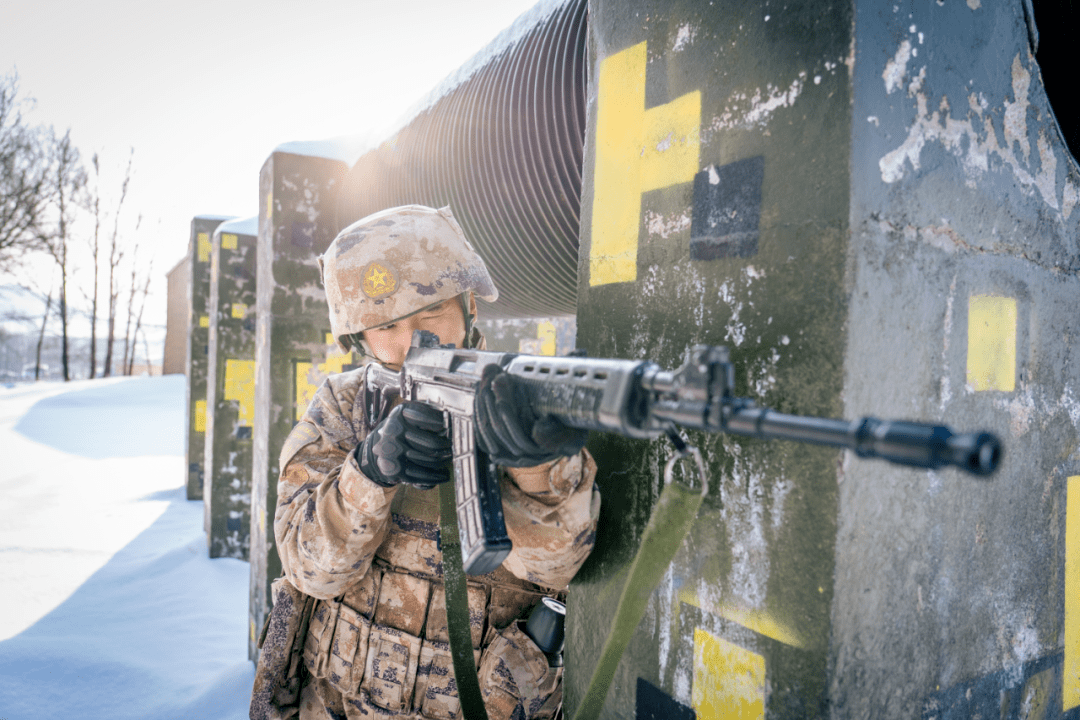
293 350
199 246
230 389
872 206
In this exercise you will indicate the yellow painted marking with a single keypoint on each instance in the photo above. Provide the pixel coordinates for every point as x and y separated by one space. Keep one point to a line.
262 521
204 321
200 416
228 241
239 310
378 281
269 205
636 150
252 630
240 386
760 621
1070 691
308 380
991 361
203 246
729 681
545 331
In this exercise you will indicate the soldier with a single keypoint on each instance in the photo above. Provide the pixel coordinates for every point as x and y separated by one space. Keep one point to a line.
357 521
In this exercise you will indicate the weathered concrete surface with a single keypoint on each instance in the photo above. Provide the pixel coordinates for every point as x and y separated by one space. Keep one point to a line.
230 398
732 90
545 336
293 351
962 189
870 204
195 362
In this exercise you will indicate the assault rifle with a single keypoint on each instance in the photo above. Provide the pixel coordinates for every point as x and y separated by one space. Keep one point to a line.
635 399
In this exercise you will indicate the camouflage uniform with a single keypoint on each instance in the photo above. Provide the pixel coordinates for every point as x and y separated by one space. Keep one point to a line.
377 645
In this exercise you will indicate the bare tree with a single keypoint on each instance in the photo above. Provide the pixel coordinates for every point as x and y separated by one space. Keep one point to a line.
24 181
128 340
68 180
41 337
94 206
144 291
116 254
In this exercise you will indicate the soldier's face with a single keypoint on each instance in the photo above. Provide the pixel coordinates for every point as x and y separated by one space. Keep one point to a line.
390 343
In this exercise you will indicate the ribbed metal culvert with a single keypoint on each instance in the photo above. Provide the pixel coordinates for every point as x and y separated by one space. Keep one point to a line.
503 147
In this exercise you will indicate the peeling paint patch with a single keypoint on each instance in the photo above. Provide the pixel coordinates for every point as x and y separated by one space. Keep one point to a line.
734 331
745 112
1016 112
896 67
683 37
973 139
665 226
1069 198
1021 409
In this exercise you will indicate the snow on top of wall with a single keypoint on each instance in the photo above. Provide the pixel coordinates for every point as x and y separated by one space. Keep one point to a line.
240 226
214 217
346 148
505 40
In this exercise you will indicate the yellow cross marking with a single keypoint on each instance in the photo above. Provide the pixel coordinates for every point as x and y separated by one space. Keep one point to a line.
637 149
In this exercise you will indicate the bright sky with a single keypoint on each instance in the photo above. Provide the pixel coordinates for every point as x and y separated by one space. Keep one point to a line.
204 91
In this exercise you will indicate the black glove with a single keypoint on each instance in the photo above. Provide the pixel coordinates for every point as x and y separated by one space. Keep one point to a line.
509 431
410 446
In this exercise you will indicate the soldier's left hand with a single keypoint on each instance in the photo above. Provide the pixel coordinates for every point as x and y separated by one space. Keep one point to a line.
510 432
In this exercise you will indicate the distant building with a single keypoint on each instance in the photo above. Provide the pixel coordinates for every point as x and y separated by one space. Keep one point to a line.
178 316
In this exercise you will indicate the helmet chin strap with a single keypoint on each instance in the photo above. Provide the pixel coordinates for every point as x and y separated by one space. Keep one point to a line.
468 309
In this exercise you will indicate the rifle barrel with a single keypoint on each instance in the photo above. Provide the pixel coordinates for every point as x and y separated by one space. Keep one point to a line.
906 443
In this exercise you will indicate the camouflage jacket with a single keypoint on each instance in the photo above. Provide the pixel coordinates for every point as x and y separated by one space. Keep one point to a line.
370 555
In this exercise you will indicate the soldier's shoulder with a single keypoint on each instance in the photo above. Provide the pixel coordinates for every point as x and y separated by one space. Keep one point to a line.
335 403
347 383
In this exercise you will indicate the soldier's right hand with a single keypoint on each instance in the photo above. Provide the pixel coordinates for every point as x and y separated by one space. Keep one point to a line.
410 446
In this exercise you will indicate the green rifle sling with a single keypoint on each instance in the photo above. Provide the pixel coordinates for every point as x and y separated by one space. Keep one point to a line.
457 610
670 522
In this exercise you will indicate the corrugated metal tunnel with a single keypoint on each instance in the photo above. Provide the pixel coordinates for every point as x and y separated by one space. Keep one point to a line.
501 142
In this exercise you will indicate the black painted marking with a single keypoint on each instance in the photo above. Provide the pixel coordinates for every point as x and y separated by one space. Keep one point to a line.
727 210
243 432
302 234
654 704
1031 690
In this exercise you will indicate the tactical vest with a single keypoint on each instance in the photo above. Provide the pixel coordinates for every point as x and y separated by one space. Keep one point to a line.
384 642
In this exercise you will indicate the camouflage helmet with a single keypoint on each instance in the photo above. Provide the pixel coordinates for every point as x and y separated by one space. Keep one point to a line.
397 262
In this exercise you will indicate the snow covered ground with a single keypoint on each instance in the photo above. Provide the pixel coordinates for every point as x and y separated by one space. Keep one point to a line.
110 606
